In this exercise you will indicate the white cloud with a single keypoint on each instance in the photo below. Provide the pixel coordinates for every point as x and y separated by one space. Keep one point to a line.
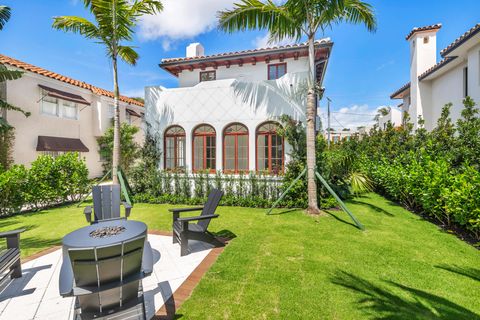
262 42
182 19
349 117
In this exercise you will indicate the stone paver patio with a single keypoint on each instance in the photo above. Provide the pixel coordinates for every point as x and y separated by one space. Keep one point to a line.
35 295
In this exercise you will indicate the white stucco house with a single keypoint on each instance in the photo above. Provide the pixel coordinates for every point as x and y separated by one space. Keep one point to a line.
434 84
67 115
225 113
394 116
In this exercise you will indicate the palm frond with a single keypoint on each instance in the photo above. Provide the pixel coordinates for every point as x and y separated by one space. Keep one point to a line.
146 7
359 12
6 74
128 54
4 15
6 106
360 183
77 25
255 14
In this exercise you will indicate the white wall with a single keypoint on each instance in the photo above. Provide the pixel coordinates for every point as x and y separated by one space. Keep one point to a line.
394 116
247 72
219 103
92 121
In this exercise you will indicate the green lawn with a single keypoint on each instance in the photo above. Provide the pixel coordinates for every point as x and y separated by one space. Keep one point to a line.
293 266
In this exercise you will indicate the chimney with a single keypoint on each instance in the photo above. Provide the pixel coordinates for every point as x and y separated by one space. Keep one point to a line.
423 48
195 50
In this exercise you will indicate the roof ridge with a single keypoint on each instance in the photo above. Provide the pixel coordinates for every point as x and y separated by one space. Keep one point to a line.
50 74
225 54
464 37
424 28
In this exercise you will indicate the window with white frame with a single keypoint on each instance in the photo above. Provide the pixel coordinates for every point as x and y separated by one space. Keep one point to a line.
55 154
58 108
69 110
50 106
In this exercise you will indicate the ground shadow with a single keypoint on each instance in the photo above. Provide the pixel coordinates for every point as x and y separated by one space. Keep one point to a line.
371 206
471 273
168 310
284 211
341 220
225 234
383 303
16 287
36 242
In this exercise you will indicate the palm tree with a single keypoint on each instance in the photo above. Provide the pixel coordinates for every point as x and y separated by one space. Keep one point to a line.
5 75
296 19
114 24
381 113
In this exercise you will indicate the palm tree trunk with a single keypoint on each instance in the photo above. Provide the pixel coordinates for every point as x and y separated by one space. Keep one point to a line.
311 112
116 125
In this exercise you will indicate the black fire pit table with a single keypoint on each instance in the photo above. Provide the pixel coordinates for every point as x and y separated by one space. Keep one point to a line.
101 235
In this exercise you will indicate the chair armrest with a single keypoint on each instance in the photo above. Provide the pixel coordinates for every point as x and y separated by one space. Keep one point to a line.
147 260
65 280
88 213
13 238
205 217
128 208
185 209
7 234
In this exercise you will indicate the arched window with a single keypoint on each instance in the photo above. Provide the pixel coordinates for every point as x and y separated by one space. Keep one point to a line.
174 146
204 148
235 148
270 148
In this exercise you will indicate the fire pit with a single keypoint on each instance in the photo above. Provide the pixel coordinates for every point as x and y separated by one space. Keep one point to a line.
107 232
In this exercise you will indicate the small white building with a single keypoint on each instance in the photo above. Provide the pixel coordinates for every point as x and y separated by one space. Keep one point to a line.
225 113
394 116
432 84
337 136
66 114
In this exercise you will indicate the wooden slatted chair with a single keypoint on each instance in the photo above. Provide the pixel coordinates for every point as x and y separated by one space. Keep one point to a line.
184 230
106 281
10 266
106 204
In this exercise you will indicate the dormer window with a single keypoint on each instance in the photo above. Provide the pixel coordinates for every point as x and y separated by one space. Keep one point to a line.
276 71
208 76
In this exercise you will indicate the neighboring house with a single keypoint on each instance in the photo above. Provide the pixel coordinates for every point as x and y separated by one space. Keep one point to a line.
339 135
432 84
394 116
225 113
66 114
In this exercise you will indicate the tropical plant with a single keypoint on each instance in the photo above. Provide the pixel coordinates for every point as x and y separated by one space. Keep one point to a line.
130 149
296 19
114 24
381 113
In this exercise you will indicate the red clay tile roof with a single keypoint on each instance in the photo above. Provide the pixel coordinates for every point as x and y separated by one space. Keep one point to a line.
402 89
436 67
243 52
460 40
426 28
28 67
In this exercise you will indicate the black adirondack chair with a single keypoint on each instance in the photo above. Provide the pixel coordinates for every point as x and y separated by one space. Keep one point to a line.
10 266
106 204
184 229
106 281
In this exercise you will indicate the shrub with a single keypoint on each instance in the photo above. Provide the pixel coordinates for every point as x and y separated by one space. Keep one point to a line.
434 173
49 181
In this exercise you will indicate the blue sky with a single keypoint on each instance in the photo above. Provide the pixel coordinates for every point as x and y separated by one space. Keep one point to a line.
364 68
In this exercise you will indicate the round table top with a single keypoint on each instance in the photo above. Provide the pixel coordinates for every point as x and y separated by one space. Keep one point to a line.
81 238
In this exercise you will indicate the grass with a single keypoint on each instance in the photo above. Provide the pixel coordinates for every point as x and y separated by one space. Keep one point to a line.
294 266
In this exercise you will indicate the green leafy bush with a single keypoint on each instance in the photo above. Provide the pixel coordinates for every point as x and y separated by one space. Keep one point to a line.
435 173
49 181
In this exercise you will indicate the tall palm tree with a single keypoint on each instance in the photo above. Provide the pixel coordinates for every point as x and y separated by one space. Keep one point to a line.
296 19
114 24
381 113
6 74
